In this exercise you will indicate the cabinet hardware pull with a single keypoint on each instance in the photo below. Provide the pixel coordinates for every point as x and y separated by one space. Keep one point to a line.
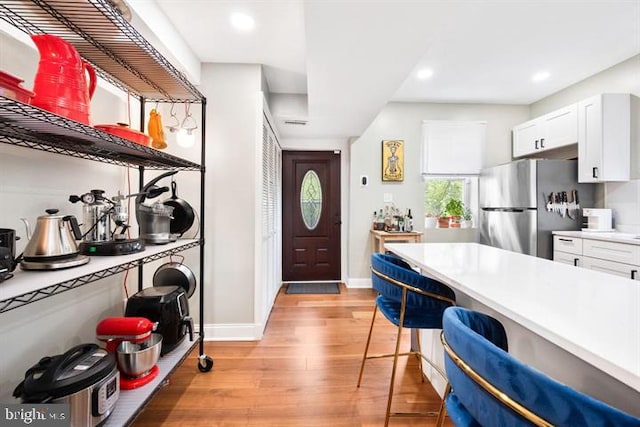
633 274
541 142
536 144
595 172
575 261
565 240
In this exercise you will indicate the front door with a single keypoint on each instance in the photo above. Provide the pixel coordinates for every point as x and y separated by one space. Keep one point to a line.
311 219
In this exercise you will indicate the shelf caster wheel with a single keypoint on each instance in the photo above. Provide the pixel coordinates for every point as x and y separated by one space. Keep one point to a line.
205 363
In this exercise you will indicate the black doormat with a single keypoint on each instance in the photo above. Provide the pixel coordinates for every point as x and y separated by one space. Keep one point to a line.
313 288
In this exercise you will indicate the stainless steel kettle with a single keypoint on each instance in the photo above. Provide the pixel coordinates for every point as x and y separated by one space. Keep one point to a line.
53 238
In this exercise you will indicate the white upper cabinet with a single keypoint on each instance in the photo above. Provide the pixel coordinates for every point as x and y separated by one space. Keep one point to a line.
561 127
604 138
553 130
526 138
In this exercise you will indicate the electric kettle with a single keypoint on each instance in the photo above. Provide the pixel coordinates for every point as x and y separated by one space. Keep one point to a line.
61 85
53 240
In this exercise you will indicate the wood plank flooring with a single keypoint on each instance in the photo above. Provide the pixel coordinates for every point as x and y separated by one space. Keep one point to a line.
302 373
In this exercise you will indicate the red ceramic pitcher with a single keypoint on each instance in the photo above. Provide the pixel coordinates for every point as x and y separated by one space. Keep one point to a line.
61 83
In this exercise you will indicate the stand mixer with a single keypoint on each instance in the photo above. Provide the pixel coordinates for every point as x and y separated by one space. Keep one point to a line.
135 346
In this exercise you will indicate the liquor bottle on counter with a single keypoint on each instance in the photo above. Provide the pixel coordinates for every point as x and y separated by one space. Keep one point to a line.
374 222
409 222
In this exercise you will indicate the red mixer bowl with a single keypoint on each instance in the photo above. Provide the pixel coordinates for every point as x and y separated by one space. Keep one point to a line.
124 131
10 88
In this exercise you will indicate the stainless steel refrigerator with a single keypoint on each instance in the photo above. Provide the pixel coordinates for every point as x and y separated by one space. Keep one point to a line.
515 198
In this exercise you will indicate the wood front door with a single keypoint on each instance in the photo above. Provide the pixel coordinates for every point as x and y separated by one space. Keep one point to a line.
311 218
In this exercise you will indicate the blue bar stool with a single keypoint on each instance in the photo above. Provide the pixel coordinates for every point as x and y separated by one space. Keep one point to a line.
489 387
406 299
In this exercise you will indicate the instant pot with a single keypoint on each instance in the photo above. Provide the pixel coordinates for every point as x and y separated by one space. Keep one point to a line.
85 377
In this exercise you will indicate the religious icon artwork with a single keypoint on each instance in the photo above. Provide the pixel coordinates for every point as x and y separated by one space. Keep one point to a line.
392 160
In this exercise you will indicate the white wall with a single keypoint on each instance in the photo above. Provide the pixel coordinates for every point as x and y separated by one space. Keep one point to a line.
231 199
404 121
622 197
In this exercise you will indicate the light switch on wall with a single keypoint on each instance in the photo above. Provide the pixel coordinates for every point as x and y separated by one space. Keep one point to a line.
388 197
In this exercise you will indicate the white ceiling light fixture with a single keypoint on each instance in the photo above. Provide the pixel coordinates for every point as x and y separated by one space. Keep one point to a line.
542 75
242 22
424 74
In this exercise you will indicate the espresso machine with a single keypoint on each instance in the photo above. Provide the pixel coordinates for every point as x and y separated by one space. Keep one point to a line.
98 235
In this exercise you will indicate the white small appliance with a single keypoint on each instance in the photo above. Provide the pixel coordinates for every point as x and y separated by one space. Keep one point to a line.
597 219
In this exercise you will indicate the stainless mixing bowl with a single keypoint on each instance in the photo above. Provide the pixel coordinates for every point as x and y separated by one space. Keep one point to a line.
136 359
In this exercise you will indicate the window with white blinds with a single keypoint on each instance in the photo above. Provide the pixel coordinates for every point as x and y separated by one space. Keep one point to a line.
271 171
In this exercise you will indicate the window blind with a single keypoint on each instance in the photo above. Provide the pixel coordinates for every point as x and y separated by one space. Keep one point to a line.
452 147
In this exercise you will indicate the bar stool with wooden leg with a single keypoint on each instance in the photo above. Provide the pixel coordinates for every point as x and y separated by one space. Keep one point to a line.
406 299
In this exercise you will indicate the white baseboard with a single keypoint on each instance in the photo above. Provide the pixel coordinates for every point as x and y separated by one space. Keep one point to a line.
233 332
359 283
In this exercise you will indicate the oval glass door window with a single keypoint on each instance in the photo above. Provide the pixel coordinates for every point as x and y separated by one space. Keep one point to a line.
311 199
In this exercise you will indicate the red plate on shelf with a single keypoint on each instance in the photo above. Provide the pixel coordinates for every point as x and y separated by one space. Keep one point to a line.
124 131
10 88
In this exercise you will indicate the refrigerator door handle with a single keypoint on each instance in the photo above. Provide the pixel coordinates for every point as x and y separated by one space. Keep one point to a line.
503 209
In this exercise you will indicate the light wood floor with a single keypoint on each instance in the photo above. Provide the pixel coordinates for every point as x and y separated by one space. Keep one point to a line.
302 373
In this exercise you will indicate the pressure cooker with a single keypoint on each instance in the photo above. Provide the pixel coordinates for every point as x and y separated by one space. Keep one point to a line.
85 377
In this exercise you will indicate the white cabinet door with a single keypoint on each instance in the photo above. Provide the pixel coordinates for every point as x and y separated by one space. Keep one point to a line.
617 268
604 138
560 128
572 245
612 251
526 138
567 258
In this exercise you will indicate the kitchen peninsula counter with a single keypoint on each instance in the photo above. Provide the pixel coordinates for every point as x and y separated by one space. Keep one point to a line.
591 316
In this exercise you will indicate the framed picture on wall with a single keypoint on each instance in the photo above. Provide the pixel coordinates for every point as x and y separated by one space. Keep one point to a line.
393 160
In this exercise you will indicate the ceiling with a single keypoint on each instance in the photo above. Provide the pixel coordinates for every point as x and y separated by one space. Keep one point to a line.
351 57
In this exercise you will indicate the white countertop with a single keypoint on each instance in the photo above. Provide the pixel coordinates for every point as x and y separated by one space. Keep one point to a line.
595 316
608 236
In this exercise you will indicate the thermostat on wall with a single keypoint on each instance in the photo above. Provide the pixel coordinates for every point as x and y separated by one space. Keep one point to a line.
364 180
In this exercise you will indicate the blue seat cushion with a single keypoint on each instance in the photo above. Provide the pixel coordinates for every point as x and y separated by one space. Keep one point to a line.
480 341
421 311
458 413
416 317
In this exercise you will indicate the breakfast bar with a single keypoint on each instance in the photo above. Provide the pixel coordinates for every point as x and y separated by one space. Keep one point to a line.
579 326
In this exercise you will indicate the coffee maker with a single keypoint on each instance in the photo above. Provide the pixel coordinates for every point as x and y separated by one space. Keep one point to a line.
8 261
98 213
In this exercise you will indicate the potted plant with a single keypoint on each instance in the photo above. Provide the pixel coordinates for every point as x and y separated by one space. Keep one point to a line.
431 219
467 219
454 209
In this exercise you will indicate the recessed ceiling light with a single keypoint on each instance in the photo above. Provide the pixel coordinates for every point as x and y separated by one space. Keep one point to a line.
424 74
242 22
542 75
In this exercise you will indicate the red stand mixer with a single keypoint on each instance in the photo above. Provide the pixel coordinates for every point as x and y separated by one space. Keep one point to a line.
135 346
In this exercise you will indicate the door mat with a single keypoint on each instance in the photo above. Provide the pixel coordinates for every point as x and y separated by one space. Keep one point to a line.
313 288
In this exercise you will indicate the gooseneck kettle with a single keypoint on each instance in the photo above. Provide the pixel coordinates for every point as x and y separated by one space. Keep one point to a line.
54 238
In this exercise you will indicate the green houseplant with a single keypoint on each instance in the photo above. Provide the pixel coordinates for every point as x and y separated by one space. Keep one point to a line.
454 209
467 218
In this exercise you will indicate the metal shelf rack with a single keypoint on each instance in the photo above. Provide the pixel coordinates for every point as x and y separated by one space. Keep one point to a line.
112 45
31 127
121 56
31 286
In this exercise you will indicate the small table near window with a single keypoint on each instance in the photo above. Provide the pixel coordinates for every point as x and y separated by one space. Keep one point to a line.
381 237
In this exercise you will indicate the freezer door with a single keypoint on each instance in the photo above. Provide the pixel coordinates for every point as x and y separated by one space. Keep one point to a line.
512 185
513 230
